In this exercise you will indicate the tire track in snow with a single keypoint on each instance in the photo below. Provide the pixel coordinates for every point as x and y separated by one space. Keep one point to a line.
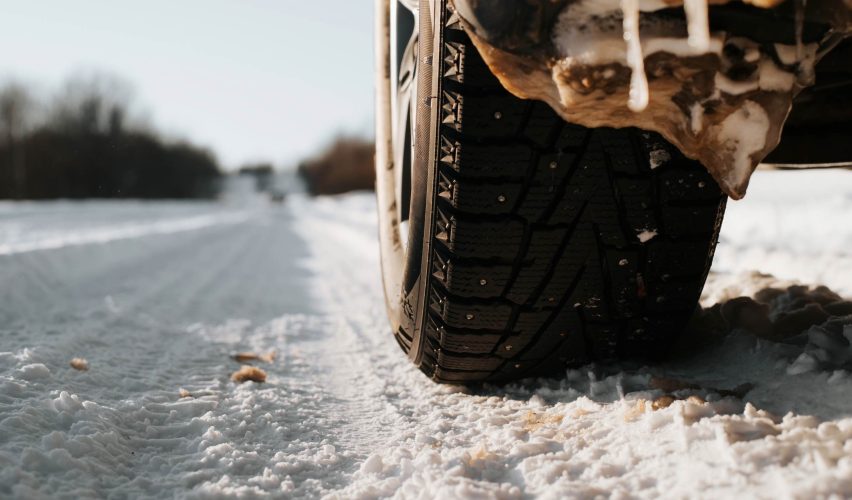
131 425
385 386
99 235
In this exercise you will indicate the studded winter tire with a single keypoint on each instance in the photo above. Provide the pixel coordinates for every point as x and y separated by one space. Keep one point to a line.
515 244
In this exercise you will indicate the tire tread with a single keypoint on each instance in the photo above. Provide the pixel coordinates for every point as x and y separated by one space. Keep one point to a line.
538 263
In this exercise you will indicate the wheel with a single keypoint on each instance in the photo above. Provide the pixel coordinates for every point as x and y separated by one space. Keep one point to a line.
515 244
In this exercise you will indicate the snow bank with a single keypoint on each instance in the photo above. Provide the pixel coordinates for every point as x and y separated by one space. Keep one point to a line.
794 225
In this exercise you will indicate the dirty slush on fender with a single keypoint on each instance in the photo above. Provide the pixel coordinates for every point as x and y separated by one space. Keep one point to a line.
720 95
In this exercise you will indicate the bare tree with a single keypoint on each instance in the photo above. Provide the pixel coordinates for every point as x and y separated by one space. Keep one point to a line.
92 103
16 116
344 165
16 107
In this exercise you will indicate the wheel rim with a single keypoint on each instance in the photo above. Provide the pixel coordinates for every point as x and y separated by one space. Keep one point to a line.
404 153
397 33
403 78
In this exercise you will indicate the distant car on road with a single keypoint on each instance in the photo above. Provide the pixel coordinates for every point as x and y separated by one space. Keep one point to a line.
277 196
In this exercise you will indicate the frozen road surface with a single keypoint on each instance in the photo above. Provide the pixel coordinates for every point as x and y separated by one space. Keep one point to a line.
157 297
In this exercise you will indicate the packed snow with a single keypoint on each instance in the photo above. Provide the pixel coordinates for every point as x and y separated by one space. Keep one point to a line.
153 301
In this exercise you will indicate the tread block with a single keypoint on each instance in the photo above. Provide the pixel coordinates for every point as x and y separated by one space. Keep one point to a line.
621 152
514 344
603 338
635 196
488 161
565 326
533 327
459 377
639 332
669 261
607 221
476 363
474 238
539 256
542 125
473 197
475 316
568 269
463 341
689 221
462 66
572 351
587 178
472 280
486 115
567 211
589 297
544 189
662 329
571 137
530 321
687 185
623 269
672 296
547 341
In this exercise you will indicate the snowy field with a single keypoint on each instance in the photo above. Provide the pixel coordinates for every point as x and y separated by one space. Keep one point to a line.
158 297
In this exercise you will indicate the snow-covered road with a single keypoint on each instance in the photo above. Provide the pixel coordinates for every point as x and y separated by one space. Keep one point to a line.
157 297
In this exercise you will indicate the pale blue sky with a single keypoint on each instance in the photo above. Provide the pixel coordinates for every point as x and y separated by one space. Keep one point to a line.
252 79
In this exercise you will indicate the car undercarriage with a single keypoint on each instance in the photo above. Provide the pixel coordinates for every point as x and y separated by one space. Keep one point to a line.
716 80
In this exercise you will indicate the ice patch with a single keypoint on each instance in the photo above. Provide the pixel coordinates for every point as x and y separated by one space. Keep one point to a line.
658 157
62 239
635 60
697 24
773 78
646 235
696 118
743 134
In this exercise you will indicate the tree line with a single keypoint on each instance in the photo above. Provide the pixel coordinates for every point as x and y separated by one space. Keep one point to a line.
345 164
86 144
